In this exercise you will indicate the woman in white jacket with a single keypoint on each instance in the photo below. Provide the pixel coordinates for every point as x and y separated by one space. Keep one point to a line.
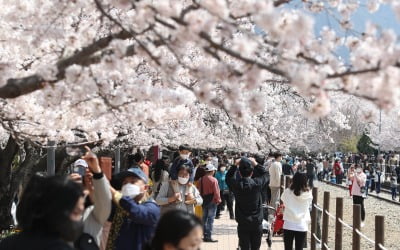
297 200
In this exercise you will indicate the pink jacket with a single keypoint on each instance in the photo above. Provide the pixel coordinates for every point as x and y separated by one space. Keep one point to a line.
358 180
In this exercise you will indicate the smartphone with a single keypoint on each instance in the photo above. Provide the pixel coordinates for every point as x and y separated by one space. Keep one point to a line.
81 170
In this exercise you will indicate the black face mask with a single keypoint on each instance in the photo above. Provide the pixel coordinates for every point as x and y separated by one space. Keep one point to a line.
70 230
88 202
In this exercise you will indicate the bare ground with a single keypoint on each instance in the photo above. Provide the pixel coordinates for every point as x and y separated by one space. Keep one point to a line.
373 206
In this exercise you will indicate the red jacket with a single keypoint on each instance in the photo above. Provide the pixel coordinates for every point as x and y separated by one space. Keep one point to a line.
210 186
336 168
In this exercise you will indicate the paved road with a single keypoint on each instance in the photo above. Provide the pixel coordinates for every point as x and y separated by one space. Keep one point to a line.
226 234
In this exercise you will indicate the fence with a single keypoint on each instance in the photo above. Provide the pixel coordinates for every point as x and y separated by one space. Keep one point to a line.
339 223
387 169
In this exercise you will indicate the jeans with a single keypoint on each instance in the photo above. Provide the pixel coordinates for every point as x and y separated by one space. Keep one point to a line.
250 238
360 200
367 183
290 235
372 186
209 212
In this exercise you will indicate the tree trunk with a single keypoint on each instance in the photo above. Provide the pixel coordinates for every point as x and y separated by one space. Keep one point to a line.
7 156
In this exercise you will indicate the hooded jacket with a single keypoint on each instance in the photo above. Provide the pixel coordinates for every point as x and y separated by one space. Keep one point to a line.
297 208
247 191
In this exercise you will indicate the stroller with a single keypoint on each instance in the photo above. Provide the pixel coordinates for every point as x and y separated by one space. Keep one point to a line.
277 222
267 223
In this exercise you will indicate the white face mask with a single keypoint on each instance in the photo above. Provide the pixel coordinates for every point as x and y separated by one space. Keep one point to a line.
130 190
223 169
185 157
358 170
182 180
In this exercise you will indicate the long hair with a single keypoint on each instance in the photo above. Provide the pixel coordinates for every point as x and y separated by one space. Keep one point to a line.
171 220
299 183
158 167
46 201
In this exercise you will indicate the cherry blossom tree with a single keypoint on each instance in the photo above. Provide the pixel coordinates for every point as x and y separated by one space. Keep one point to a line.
109 66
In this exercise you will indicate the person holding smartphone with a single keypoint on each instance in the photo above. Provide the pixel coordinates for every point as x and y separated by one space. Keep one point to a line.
87 171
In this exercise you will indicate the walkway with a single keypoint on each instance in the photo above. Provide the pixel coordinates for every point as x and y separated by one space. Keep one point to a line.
225 233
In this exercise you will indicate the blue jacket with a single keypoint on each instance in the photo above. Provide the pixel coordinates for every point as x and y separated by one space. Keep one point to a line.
138 228
221 180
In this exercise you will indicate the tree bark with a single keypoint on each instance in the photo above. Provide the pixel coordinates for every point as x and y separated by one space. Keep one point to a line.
7 156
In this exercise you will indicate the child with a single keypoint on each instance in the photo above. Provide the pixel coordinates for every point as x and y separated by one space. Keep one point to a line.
182 159
393 186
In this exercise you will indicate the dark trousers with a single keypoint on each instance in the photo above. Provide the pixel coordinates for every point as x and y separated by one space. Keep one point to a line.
250 238
378 187
298 237
268 195
360 200
372 186
226 198
339 178
394 192
310 180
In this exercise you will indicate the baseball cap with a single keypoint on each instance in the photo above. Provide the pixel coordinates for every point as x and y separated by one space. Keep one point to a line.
137 172
210 167
80 162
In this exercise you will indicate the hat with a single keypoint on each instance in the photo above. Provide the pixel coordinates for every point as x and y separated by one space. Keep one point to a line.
80 162
210 167
136 172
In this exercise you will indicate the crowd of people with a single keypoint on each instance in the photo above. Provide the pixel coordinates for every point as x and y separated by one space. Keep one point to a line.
138 207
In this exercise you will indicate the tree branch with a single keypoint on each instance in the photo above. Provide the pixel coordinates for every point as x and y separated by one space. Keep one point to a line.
20 86
238 56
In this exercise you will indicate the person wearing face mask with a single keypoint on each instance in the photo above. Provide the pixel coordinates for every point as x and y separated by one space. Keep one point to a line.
183 158
188 237
136 213
98 202
49 215
359 179
187 198
226 196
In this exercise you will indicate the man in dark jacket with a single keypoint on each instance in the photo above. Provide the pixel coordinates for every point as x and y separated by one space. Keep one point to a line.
310 167
248 207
